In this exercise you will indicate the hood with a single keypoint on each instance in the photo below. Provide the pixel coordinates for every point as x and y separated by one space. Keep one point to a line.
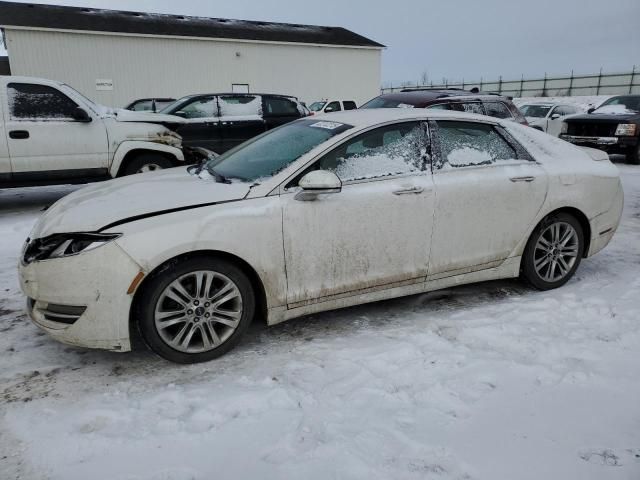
603 117
97 206
122 115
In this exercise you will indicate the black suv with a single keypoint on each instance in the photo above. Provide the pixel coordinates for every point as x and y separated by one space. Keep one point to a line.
453 99
613 127
221 121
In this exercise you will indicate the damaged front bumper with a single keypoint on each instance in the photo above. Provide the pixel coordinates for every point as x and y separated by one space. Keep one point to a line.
82 299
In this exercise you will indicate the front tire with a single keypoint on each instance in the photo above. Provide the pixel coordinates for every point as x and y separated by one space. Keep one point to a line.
553 252
147 162
195 310
633 157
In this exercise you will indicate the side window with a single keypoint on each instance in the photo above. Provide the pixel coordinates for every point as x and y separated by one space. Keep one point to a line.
333 107
349 105
142 106
468 144
32 101
239 105
391 150
473 107
200 108
278 106
497 109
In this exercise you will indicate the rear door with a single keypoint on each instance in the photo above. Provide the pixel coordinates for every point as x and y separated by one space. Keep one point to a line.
45 142
279 110
202 127
488 193
240 119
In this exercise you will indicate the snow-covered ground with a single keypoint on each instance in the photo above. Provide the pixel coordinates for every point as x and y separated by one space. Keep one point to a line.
493 381
582 102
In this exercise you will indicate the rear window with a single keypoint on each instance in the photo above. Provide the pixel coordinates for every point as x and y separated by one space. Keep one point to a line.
348 105
280 106
497 109
382 102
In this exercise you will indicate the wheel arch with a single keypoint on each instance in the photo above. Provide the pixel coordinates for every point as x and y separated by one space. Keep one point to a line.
252 274
580 217
129 150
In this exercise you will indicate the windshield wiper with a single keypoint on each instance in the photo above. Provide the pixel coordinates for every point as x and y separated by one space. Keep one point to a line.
219 177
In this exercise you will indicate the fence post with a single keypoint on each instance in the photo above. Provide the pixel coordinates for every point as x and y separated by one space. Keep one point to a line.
480 83
571 85
599 80
463 82
521 82
500 85
633 74
544 85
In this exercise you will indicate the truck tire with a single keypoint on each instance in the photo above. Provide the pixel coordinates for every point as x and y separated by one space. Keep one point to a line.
147 162
633 157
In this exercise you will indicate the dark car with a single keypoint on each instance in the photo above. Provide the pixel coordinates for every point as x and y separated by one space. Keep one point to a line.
221 121
613 127
149 104
457 100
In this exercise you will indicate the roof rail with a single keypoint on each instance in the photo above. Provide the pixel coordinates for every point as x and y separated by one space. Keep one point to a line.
432 89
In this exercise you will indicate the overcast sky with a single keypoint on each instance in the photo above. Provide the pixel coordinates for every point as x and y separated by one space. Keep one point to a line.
455 39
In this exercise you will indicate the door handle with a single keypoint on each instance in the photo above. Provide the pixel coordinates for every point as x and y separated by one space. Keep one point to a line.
408 191
522 179
19 134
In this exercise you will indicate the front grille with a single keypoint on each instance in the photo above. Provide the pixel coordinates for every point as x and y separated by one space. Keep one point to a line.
67 314
591 129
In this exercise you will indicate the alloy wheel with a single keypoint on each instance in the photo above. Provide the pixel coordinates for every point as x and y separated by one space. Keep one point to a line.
149 167
556 252
198 311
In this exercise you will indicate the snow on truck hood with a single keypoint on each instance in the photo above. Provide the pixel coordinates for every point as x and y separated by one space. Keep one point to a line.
94 207
122 115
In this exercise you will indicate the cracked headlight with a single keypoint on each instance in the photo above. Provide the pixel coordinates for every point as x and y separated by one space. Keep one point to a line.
626 130
65 245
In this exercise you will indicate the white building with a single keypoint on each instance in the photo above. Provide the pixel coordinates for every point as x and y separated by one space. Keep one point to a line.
114 57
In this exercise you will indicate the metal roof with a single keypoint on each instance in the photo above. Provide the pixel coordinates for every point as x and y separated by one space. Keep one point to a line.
32 15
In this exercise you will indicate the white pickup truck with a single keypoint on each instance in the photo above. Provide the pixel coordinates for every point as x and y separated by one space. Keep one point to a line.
52 134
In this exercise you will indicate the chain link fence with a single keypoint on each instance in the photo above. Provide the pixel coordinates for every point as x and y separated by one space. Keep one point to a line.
619 83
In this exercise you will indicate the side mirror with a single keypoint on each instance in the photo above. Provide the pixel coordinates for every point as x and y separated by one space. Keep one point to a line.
555 116
81 115
591 110
180 113
318 182
329 110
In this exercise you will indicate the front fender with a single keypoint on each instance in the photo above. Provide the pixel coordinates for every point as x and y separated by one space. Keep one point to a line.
126 147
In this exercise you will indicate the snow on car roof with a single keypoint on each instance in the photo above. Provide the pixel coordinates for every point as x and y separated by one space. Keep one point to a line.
373 116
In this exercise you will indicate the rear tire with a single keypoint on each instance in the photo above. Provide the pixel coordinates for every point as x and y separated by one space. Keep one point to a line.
195 310
553 252
147 162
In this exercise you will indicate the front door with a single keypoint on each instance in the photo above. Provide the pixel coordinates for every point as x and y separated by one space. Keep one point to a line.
376 232
488 194
5 163
44 140
202 127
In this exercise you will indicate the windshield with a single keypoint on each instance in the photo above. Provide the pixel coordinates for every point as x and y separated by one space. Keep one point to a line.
535 111
627 103
271 152
382 102
317 106
172 106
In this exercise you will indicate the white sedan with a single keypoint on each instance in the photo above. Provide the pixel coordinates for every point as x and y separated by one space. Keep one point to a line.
318 214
